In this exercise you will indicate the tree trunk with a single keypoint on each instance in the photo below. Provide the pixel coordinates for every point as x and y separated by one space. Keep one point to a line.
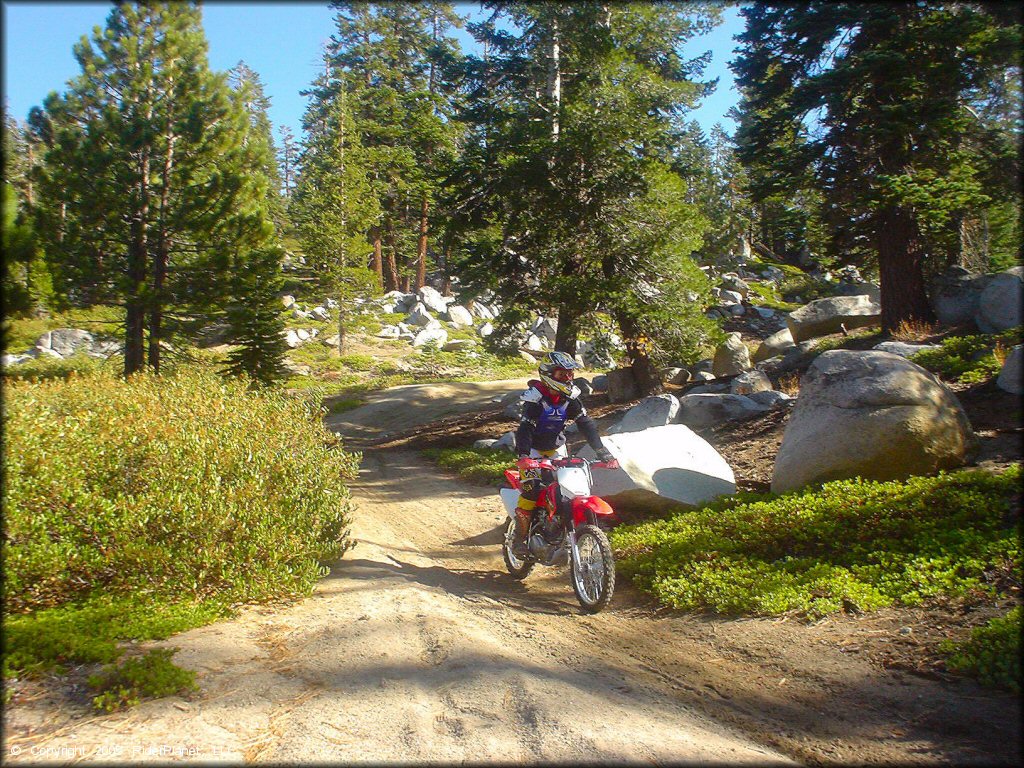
160 259
446 279
901 269
378 261
567 333
135 304
646 376
555 81
390 268
421 250
341 327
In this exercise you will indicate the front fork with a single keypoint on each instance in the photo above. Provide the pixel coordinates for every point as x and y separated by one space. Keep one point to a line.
574 554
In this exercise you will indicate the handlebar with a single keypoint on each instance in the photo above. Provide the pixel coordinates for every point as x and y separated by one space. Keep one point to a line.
573 461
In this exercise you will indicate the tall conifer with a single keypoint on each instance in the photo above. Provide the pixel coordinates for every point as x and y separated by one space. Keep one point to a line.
148 190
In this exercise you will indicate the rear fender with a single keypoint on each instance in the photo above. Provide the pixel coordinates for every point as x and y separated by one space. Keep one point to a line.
595 505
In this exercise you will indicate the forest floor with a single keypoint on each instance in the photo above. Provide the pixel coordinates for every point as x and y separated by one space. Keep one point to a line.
419 648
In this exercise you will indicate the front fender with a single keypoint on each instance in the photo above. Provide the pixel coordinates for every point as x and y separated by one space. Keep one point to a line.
595 504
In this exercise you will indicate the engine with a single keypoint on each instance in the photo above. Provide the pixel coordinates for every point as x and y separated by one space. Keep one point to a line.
547 541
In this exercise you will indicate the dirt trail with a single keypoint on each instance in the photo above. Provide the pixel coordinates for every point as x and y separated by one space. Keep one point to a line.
419 648
400 409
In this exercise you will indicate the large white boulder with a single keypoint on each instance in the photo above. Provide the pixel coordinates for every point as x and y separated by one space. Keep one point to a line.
1010 378
770 398
707 410
433 299
534 343
776 344
459 345
459 316
65 342
749 382
480 310
731 357
825 316
999 306
955 294
654 411
546 328
420 315
670 461
870 414
431 335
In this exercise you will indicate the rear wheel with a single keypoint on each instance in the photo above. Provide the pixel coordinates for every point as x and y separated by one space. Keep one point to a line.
518 568
593 574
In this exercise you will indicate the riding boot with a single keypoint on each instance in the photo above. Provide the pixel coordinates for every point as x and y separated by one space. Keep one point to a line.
519 545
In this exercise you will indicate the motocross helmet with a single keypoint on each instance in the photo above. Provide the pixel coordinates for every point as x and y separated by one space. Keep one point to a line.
561 365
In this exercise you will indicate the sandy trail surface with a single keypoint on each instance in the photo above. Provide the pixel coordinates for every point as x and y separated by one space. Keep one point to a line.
419 648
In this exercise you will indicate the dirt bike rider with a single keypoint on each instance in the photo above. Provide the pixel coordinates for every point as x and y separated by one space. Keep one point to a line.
548 405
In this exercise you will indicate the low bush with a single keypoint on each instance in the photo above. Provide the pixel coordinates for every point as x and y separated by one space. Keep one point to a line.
797 284
90 631
484 466
149 676
970 359
45 368
992 653
763 294
853 545
186 490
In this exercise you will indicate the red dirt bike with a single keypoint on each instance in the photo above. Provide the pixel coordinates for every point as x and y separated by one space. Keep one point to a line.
565 527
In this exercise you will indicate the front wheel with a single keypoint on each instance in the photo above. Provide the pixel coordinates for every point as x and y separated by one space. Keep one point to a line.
593 574
517 568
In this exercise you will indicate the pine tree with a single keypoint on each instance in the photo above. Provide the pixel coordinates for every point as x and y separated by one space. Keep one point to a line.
27 286
334 205
254 317
866 104
247 84
287 160
150 190
571 198
390 55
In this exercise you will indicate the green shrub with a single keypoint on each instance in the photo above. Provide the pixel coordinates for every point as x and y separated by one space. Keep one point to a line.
358 362
176 488
765 296
969 359
149 676
992 653
482 466
344 404
854 545
48 639
45 368
797 284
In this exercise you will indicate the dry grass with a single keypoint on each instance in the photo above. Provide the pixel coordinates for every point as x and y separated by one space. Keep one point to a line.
1001 351
913 330
790 384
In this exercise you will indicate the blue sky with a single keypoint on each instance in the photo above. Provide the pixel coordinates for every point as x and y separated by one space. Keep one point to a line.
281 41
